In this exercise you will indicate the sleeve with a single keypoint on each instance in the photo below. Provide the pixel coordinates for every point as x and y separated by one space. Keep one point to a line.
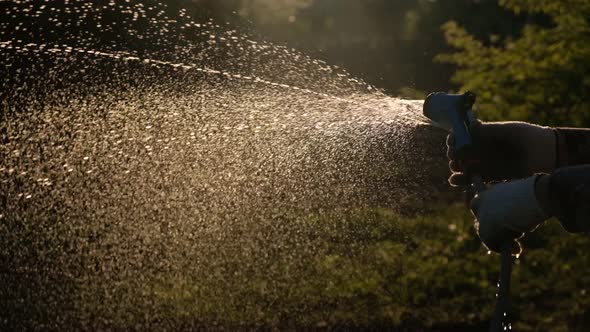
569 191
573 146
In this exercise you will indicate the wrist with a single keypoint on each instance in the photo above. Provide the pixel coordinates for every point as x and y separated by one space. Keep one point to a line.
561 154
542 194
545 149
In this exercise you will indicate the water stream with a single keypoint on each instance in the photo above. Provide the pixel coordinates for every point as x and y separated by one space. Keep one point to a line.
164 173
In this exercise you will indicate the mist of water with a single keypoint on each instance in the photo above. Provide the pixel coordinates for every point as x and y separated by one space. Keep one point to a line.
156 168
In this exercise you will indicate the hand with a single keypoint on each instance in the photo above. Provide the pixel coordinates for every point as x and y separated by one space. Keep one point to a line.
507 210
508 150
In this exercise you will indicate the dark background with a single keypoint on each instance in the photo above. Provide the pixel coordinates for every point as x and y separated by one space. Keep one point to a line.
389 44
526 60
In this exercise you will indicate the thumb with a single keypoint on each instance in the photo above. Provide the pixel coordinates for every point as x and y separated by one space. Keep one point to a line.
516 248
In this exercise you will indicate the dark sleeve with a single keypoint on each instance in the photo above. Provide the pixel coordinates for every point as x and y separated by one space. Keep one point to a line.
569 191
573 146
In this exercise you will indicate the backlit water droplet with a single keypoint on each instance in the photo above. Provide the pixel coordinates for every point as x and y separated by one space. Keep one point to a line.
182 169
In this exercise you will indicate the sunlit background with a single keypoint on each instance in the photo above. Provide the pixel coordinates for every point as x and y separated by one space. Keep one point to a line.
265 164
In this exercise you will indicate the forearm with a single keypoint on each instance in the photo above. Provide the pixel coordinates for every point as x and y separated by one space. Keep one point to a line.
565 194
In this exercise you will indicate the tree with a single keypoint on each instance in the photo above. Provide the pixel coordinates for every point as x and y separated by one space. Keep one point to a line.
389 44
542 76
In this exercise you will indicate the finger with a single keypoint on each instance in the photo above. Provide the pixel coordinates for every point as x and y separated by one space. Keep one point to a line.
451 139
516 248
496 241
458 180
468 196
490 243
451 145
454 166
451 153
475 204
491 246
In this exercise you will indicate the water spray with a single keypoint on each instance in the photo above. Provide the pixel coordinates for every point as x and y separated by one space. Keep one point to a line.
455 112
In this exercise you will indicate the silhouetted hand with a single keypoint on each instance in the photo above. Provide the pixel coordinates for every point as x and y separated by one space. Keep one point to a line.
507 150
506 211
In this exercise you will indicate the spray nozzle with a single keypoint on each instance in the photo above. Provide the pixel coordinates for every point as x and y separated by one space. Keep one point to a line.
453 112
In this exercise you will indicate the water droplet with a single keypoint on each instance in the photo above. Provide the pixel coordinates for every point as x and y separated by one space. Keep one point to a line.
281 146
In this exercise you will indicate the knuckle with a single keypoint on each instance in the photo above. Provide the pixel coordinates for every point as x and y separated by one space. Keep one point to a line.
455 179
450 139
451 153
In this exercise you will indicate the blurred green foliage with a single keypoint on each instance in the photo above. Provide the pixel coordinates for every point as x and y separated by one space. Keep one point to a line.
376 269
542 76
527 60
389 44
